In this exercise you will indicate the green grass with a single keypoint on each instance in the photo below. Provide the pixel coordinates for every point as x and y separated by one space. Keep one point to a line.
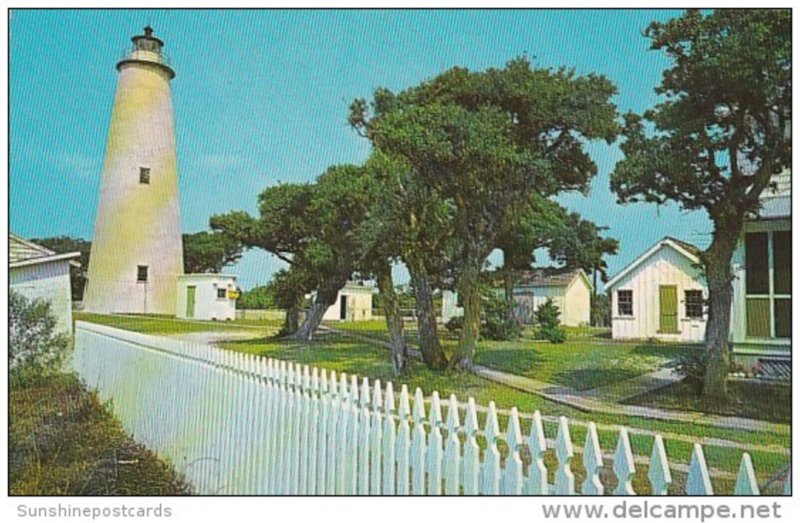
579 365
63 441
585 361
167 325
768 402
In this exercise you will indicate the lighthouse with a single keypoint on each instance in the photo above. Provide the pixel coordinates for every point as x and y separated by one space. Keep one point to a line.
137 252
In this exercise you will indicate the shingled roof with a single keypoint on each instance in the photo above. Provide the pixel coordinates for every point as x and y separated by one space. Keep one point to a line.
548 277
23 252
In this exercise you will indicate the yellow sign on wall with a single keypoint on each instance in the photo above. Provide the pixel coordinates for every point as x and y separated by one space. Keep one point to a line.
233 294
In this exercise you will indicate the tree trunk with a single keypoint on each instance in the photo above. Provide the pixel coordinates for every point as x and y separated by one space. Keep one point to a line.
720 295
326 296
468 286
509 278
432 352
292 321
394 320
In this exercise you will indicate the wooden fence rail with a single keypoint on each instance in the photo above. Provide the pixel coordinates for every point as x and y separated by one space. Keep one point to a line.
239 424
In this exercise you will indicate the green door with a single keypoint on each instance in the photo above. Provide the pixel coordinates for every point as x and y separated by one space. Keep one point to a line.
190 292
668 301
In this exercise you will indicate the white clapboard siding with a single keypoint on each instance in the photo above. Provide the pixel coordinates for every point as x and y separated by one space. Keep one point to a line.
240 424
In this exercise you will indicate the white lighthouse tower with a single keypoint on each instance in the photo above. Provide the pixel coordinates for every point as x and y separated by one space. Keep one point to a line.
137 252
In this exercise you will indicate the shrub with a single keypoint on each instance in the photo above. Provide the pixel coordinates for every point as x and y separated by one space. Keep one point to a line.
261 297
548 318
692 368
499 321
456 323
35 348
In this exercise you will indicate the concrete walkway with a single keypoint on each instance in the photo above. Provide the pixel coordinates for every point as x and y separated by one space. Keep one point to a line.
583 402
601 400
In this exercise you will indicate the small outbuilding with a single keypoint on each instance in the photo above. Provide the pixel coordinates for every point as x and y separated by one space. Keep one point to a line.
354 303
570 290
660 295
207 297
39 273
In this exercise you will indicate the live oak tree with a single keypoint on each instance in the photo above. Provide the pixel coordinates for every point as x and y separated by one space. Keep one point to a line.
209 252
714 142
484 142
410 224
311 228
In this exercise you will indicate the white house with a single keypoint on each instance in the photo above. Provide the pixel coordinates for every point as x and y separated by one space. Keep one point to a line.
206 297
39 273
761 315
571 292
660 295
353 303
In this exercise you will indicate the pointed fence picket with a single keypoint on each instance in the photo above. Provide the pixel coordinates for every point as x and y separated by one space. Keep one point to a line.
241 424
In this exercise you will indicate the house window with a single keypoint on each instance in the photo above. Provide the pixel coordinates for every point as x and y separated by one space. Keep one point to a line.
625 303
141 273
694 304
222 293
768 284
144 175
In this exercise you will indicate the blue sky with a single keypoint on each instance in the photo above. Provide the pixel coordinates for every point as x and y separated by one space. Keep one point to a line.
262 96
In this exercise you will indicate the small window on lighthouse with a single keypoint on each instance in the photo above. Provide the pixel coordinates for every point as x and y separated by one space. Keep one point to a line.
144 175
141 273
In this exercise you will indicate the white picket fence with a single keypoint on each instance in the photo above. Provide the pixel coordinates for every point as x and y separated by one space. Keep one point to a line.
239 424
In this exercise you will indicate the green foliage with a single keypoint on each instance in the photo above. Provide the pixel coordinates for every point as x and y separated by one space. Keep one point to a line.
260 297
601 310
65 244
63 441
725 114
482 144
455 324
548 318
499 322
692 368
209 252
35 348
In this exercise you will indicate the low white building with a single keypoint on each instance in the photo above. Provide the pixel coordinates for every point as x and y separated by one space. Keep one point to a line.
353 303
761 313
207 297
660 295
39 273
570 290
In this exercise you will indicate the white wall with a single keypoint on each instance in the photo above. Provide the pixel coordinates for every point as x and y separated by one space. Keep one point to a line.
578 304
359 305
664 267
207 305
48 281
450 308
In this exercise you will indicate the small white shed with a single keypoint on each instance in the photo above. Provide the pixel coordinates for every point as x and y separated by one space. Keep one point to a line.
354 303
39 273
661 295
570 290
207 297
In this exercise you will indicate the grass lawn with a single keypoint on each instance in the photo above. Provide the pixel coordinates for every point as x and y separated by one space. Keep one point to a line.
335 352
585 361
63 441
580 365
750 400
169 325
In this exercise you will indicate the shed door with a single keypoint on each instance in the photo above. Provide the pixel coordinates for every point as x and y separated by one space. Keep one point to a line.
343 307
668 301
190 299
